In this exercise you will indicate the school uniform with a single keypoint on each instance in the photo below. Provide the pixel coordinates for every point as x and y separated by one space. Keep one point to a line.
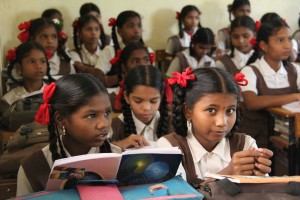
176 44
184 60
27 183
59 67
197 161
85 57
223 39
263 80
235 64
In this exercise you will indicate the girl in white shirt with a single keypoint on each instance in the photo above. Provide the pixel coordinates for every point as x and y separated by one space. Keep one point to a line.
205 119
242 31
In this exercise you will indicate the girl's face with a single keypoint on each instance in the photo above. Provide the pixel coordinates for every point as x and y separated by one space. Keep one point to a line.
34 66
131 30
243 10
97 15
90 124
47 38
279 45
90 33
240 38
201 49
144 102
212 117
191 20
137 58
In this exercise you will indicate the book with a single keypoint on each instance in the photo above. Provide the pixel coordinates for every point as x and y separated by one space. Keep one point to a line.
254 179
132 167
292 107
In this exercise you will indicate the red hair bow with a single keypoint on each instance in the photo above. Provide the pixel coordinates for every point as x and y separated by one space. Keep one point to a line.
11 54
43 116
112 21
253 42
62 35
48 54
116 59
24 27
178 14
257 25
182 79
117 105
240 79
152 58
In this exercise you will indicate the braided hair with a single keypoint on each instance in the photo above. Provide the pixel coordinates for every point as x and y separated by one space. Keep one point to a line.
146 75
183 13
71 93
208 80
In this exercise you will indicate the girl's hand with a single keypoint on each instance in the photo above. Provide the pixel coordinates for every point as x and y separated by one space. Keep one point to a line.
263 163
132 140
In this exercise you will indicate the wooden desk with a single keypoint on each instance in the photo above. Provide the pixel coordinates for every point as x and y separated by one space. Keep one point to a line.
285 159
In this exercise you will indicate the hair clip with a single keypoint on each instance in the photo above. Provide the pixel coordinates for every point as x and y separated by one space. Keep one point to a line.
43 115
257 25
116 59
24 27
240 79
181 79
112 21
152 57
11 54
57 23
117 104
178 15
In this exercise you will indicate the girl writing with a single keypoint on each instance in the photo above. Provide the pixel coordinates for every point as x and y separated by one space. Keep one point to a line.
145 109
188 23
197 54
77 111
243 31
205 119
273 80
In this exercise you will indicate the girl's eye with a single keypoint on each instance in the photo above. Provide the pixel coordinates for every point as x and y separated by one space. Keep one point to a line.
31 61
138 101
107 113
154 101
146 60
54 36
230 111
211 110
91 116
43 60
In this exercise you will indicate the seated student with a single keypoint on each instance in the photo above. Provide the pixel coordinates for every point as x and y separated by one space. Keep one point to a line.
144 107
205 120
77 110
46 33
296 37
197 54
243 31
273 80
188 23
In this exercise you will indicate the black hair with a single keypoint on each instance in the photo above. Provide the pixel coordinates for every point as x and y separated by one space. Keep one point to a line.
242 21
22 51
50 12
269 17
203 36
71 93
236 5
208 81
266 30
120 21
38 24
81 22
183 13
146 75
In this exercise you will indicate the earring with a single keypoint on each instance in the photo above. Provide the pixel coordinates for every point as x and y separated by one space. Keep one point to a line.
63 130
189 126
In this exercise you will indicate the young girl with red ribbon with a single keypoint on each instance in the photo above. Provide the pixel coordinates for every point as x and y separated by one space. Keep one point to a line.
77 111
205 119
188 23
144 107
243 32
273 80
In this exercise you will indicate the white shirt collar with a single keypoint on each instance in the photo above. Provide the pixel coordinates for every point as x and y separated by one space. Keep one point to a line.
240 59
140 126
267 70
97 52
193 63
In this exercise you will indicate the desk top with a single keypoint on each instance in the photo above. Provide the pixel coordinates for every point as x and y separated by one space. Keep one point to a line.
281 112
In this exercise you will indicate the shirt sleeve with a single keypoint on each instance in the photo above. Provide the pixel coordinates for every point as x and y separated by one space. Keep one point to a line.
220 65
174 67
72 68
221 40
251 77
297 67
249 142
74 56
169 47
23 185
103 62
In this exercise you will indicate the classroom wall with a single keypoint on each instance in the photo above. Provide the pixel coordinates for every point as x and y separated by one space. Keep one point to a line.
158 16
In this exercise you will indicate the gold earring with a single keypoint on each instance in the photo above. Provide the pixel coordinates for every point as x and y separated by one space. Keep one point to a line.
63 130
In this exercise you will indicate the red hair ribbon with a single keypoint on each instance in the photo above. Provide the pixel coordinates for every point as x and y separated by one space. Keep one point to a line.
152 57
117 105
116 59
43 116
284 20
11 54
62 35
48 54
182 79
240 79
257 25
168 92
178 14
112 21
253 42
24 27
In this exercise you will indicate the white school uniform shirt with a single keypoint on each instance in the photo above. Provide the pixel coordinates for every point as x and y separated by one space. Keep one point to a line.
192 62
221 40
185 41
205 161
87 57
19 93
274 80
23 185
106 55
297 39
54 63
240 59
